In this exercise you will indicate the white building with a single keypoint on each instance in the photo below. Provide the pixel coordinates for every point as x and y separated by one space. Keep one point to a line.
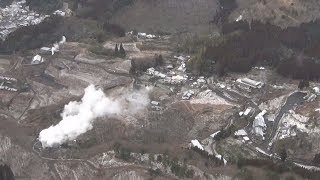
250 83
37 59
63 40
187 94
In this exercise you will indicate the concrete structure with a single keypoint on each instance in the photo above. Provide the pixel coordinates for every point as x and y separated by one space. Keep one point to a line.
63 40
240 132
187 95
247 111
259 124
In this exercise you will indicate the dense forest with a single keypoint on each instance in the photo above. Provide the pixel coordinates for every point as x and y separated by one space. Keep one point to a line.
53 28
293 51
6 172
95 9
44 6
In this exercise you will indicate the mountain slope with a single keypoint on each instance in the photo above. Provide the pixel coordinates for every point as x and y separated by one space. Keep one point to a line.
168 15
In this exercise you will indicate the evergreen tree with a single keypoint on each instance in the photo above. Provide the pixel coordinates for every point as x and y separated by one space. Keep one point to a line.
122 51
283 154
116 50
159 60
133 67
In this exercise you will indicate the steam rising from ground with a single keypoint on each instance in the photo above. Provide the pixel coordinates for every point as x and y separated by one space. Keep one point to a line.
78 117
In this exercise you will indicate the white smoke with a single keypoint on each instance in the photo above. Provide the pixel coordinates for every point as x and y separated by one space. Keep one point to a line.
78 117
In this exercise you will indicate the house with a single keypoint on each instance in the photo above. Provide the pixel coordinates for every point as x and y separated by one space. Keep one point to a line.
201 80
316 91
250 83
240 132
63 40
247 111
45 49
187 94
37 59
155 103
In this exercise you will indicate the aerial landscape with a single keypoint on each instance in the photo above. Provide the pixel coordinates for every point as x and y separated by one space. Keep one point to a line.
159 89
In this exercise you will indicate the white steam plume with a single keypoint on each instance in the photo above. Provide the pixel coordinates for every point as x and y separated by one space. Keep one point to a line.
78 117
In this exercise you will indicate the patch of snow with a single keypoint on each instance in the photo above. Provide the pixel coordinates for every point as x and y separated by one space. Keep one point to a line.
214 134
239 18
196 143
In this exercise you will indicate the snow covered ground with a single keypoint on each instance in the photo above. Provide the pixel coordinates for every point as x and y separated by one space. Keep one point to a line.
209 97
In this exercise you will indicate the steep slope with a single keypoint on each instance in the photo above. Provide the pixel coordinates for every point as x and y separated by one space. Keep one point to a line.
283 13
168 15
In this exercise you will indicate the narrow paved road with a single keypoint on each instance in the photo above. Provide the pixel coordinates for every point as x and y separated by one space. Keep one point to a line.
292 100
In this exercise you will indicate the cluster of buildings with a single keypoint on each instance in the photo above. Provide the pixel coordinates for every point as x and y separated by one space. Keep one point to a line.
259 126
147 36
143 35
177 76
174 75
17 15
